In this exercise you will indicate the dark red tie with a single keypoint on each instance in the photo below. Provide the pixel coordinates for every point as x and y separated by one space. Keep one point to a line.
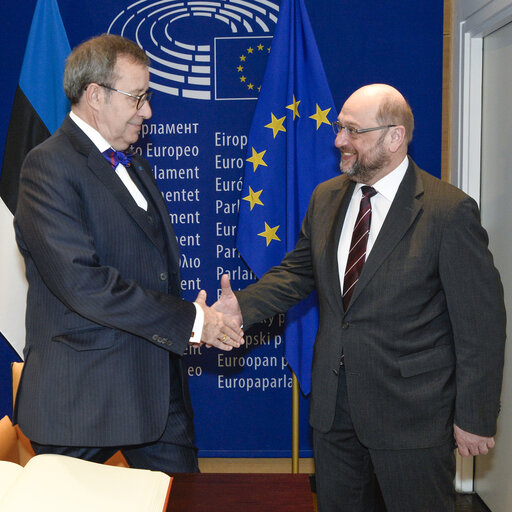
357 254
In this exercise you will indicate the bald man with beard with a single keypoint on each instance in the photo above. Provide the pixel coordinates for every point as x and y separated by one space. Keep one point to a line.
408 357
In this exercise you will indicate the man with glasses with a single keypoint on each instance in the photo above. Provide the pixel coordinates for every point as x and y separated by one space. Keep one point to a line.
409 353
106 324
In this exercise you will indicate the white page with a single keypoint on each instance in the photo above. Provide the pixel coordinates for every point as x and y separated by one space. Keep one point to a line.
54 483
9 471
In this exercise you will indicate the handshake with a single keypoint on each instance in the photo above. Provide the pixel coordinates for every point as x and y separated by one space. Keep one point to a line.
223 320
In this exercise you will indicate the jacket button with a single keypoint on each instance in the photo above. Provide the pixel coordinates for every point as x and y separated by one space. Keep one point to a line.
163 276
344 325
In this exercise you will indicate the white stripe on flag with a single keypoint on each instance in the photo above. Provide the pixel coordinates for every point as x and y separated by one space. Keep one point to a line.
13 284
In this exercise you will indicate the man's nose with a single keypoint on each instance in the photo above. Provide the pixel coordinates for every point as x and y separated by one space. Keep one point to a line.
145 111
341 139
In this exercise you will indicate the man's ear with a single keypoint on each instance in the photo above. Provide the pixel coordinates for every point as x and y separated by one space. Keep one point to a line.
397 134
93 96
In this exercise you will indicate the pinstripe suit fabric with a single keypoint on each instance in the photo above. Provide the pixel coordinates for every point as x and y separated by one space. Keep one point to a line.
426 322
423 336
105 321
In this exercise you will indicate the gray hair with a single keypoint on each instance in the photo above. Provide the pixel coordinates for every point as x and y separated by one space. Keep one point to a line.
393 110
94 60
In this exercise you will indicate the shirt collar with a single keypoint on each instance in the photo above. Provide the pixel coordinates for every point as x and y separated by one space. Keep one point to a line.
93 134
388 185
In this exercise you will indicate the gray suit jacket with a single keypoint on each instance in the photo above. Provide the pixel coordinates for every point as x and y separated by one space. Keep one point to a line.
423 337
104 313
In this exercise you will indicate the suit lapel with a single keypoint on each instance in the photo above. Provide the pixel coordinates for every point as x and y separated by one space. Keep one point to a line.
156 197
405 208
103 171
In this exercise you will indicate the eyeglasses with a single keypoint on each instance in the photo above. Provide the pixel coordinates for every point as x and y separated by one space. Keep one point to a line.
141 99
337 128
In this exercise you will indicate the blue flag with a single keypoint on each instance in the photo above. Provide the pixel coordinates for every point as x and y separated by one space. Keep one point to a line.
43 65
39 107
290 151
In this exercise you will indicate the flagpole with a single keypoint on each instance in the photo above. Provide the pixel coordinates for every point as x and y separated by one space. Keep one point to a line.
295 424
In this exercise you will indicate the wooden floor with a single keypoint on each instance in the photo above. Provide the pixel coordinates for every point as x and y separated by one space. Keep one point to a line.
470 503
465 503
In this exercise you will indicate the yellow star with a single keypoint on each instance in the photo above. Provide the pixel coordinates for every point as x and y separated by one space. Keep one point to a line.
276 125
294 107
253 197
268 49
250 86
243 79
259 88
240 69
270 234
260 47
320 116
257 159
242 58
250 50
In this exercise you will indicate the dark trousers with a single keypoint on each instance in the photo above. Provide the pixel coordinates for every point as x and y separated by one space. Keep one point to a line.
419 480
167 457
174 452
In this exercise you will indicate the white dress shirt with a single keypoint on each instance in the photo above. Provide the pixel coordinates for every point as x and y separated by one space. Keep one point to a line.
386 188
98 140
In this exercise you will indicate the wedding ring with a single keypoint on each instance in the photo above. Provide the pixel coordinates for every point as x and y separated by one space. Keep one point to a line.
224 338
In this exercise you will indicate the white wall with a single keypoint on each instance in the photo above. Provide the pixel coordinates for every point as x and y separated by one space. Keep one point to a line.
493 479
482 166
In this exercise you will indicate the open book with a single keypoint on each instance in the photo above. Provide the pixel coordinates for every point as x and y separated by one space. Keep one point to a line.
58 483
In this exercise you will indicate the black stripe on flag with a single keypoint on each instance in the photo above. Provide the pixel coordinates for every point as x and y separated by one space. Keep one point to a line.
26 130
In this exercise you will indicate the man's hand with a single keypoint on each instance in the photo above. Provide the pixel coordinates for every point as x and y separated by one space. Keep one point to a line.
228 303
219 330
472 444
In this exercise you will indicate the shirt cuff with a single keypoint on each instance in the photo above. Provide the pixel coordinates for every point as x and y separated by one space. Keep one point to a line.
197 328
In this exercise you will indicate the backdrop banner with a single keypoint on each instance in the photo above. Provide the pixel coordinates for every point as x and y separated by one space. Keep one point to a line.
208 60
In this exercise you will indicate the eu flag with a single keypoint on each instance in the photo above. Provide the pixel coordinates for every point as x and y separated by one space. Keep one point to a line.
39 107
290 151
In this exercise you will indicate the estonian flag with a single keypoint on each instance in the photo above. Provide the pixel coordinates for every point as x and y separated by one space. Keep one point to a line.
39 108
291 150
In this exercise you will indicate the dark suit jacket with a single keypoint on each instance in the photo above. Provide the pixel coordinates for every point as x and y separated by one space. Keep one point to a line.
423 337
104 311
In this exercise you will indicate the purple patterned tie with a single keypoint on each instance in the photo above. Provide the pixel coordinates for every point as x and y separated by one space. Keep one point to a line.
357 254
117 157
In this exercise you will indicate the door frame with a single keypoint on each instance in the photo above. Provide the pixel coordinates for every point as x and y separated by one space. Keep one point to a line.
472 21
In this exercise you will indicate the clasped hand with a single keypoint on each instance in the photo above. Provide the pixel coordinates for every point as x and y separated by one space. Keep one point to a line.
222 321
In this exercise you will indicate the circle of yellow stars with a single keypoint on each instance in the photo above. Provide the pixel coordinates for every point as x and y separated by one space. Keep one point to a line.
243 59
277 125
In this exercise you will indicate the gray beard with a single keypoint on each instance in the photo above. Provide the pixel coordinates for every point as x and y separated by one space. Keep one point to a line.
363 172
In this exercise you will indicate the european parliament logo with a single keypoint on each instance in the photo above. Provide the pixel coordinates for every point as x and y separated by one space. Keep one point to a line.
240 64
199 49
